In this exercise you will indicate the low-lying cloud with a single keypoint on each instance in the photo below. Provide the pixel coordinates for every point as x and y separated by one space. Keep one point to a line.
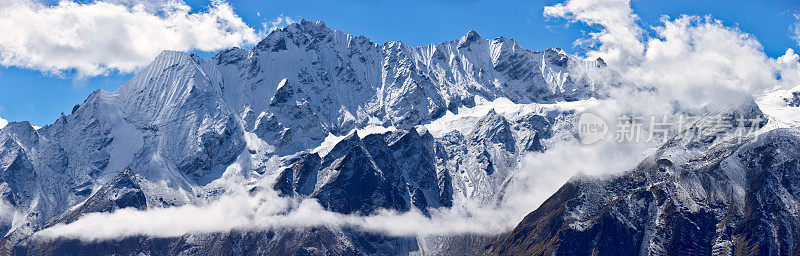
6 212
542 174
266 210
118 35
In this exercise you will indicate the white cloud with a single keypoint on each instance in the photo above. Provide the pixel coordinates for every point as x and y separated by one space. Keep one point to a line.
3 123
118 35
689 59
789 70
619 40
10 216
264 211
794 30
279 22
542 174
789 57
696 60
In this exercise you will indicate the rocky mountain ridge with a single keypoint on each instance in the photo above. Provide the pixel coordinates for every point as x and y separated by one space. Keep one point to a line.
186 130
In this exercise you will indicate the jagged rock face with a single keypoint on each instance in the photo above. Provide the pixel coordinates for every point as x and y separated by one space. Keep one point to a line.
394 170
17 173
185 128
407 169
793 101
479 162
355 184
124 191
183 122
179 101
733 199
319 80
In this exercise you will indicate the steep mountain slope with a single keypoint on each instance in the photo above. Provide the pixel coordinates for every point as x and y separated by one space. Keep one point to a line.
189 130
361 127
729 198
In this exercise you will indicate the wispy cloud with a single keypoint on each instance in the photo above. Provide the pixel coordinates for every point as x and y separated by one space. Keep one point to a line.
279 22
116 35
264 211
794 30
9 214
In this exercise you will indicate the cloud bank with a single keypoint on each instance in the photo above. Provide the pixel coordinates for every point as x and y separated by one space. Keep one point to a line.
264 211
118 35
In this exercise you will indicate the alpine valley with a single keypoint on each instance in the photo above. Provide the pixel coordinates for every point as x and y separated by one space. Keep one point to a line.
363 129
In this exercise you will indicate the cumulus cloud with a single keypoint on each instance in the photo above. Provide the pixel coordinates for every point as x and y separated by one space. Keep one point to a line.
117 35
789 57
619 40
696 59
688 59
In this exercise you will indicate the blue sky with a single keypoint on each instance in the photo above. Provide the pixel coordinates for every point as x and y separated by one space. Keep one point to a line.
28 94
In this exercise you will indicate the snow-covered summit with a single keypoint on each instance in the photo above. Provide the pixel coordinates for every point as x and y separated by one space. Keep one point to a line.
190 128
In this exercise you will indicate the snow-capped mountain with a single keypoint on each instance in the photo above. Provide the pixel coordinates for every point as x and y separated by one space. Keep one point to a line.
317 113
362 128
707 196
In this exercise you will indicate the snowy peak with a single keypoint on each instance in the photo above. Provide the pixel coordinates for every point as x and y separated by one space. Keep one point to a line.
166 85
468 39
21 132
193 128
494 129
306 35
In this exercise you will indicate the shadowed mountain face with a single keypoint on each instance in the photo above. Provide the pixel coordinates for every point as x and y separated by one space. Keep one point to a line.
394 171
361 127
733 199
186 130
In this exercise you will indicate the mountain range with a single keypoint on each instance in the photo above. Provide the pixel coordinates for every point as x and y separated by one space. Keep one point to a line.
362 128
